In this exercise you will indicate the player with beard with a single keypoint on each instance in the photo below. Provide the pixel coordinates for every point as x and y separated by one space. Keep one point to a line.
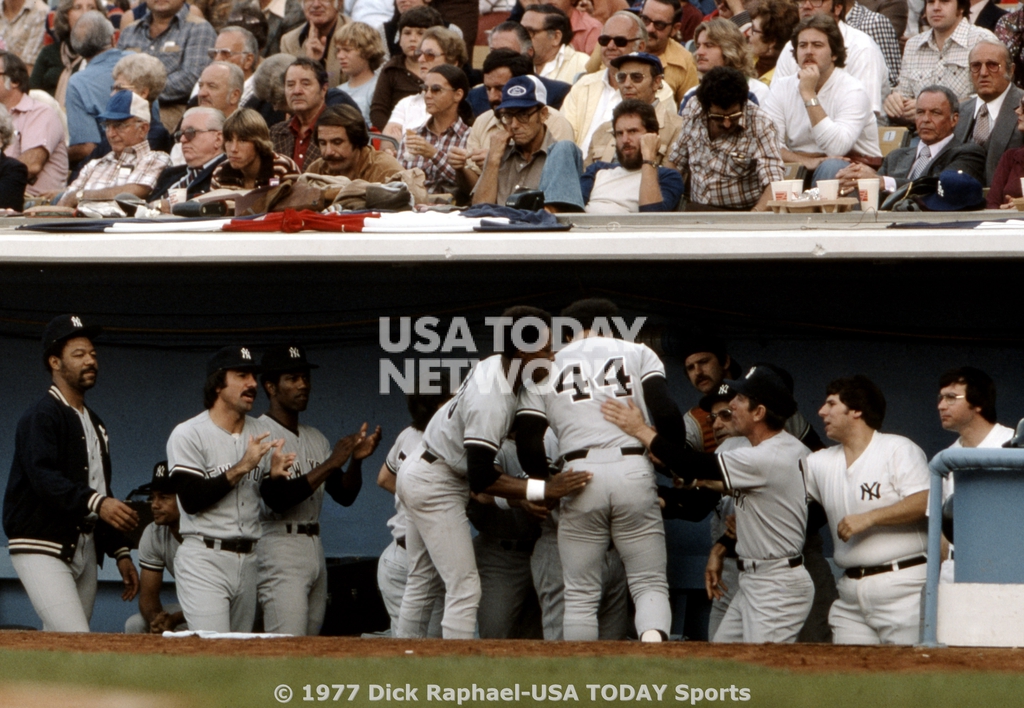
636 183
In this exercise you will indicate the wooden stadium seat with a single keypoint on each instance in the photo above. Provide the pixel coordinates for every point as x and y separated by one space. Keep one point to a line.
891 137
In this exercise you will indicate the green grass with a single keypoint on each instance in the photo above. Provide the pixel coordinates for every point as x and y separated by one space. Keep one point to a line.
248 682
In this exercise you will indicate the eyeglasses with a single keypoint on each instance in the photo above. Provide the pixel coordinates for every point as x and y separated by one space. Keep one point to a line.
636 77
119 125
949 398
812 3
720 118
660 26
521 117
436 89
620 42
190 134
725 414
217 54
427 54
991 66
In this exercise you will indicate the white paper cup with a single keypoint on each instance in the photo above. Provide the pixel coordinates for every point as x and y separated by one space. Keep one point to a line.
796 188
828 188
780 191
177 195
868 189
1022 185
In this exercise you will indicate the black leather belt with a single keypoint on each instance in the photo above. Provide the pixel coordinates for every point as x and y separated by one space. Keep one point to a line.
239 545
429 457
794 562
523 546
580 454
858 573
307 529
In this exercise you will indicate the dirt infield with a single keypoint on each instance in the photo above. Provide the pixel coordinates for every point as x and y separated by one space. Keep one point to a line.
798 657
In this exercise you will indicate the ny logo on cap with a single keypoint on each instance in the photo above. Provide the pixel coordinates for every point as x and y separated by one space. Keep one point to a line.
76 322
245 353
161 471
751 372
517 91
723 390
293 352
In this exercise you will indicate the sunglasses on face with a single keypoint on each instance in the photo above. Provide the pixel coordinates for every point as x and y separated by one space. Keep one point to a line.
991 66
435 89
189 134
725 415
719 118
620 42
660 26
635 77
427 54
521 117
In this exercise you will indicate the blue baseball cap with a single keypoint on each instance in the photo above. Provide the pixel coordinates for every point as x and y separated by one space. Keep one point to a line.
643 57
124 105
523 92
956 192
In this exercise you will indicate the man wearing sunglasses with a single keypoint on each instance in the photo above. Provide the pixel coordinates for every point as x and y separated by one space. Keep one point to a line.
202 146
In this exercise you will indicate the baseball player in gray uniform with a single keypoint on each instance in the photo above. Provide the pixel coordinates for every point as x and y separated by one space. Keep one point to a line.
292 570
456 456
218 460
621 502
159 543
775 590
59 512
874 488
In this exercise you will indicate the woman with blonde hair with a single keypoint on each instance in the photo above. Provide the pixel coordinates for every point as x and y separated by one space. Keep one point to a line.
251 161
439 46
720 43
360 53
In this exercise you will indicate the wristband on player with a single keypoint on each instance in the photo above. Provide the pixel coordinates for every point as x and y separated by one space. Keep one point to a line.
535 490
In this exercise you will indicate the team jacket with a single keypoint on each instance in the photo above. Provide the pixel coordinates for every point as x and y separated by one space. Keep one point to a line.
48 495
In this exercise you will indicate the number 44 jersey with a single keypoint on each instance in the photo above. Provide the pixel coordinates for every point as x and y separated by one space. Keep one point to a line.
586 373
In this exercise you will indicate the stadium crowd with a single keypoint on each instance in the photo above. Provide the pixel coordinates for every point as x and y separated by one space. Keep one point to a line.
602 107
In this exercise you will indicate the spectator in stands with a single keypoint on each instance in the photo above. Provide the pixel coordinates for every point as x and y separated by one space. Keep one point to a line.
995 95
220 87
897 12
938 111
180 40
400 76
863 56
38 140
13 173
879 28
438 46
661 19
639 77
525 155
728 152
305 88
585 29
500 67
771 24
986 13
145 76
282 17
719 43
317 38
202 145
237 45
22 27
251 160
428 147
250 18
360 53
554 57
1006 180
268 88
822 111
513 36
937 56
131 165
57 61
634 183
345 149
89 89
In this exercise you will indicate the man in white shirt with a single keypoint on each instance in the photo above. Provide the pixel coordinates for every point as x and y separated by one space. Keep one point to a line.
822 112
551 34
863 55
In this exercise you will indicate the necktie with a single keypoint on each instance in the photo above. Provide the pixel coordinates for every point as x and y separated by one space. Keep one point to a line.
982 128
921 163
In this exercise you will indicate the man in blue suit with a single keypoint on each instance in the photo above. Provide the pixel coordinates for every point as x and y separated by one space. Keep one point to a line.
202 144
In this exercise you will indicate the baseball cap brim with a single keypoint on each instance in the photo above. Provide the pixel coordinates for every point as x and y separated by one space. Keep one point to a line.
518 103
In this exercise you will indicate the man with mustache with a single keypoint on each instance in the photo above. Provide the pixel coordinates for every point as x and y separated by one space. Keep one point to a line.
292 569
59 513
218 461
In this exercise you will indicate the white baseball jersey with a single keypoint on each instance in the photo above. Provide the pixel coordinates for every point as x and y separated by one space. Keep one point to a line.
157 548
771 502
481 412
201 447
890 469
586 374
727 504
311 448
995 438
407 441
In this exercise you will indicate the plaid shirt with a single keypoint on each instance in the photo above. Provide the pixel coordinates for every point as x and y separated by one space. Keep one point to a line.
181 48
924 64
880 29
440 175
734 170
24 35
135 165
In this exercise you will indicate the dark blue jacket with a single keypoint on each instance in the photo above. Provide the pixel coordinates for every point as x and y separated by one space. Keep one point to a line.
670 181
48 495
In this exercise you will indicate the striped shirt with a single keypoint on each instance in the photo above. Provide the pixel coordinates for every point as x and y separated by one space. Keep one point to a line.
440 174
271 173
